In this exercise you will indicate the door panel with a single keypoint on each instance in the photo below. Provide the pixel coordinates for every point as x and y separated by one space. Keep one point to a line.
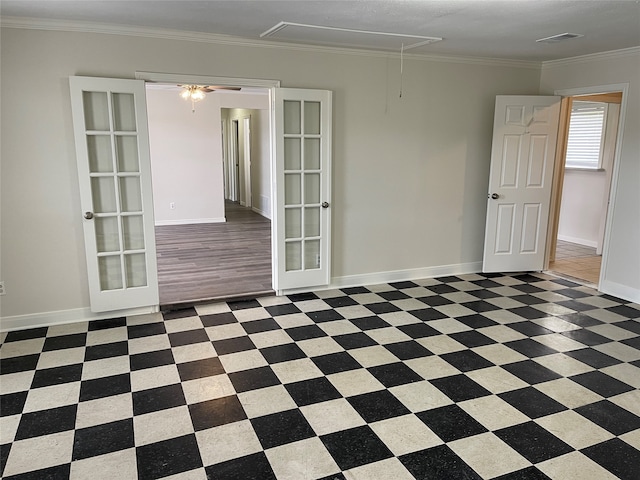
522 158
114 170
303 189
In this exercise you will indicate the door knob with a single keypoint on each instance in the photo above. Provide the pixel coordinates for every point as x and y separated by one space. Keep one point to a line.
88 215
495 196
325 204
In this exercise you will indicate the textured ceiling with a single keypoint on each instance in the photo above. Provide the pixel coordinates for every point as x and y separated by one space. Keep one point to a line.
505 29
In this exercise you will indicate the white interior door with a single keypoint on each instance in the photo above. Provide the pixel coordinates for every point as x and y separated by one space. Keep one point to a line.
114 170
525 130
302 197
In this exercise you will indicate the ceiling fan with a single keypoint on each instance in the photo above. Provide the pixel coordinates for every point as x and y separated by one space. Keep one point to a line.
195 93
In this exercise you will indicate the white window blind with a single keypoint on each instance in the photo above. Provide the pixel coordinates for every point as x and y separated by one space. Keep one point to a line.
586 131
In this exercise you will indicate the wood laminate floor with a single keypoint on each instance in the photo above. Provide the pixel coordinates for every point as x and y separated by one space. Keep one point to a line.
215 261
577 261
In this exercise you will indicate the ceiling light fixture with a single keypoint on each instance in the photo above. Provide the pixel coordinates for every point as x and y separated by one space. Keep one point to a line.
195 93
559 38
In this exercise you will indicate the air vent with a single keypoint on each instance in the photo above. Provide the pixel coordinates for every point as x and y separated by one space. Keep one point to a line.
559 38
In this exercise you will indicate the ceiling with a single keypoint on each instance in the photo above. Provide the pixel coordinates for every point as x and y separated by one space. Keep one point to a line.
504 29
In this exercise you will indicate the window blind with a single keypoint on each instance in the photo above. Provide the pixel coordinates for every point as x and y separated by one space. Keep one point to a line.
586 128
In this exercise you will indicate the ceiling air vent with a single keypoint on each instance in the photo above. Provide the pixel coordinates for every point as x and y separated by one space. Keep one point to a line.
559 38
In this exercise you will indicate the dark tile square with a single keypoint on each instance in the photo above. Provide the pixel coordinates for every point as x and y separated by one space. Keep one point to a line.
533 442
459 388
572 293
394 374
57 375
427 314
257 326
532 402
531 372
369 323
486 283
625 311
336 362
106 350
382 307
527 277
530 329
105 387
337 302
436 300
205 367
602 384
107 323
160 398
618 457
565 282
580 319
101 439
302 297
233 345
593 358
632 342
355 446
586 337
528 299
305 332
27 334
472 338
449 279
466 360
575 305
530 348
375 406
529 473
141 361
12 403
393 295
438 463
214 413
483 293
168 457
285 309
282 353
527 313
418 330
64 341
188 337
244 304
251 467
181 313
354 340
217 319
355 290
324 316
146 330
315 390
408 350
253 379
46 422
403 285
527 288
451 423
480 306
281 428
19 364
610 416
442 288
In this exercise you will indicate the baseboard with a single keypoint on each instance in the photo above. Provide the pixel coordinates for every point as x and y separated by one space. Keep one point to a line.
579 241
260 212
190 221
621 291
48 319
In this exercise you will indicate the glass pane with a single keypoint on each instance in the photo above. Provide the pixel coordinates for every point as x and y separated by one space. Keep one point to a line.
133 232
96 111
130 195
292 158
312 154
107 235
312 188
100 155
312 118
292 189
293 223
103 191
136 268
312 222
110 272
291 117
124 112
127 151
311 254
293 253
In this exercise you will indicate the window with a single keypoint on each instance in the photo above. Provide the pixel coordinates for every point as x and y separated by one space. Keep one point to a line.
586 132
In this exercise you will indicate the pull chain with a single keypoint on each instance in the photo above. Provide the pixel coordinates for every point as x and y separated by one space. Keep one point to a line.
401 67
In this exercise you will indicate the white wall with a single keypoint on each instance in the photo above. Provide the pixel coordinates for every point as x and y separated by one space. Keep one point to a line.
185 159
410 175
622 267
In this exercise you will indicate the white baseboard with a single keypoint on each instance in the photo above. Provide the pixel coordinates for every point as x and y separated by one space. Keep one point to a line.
621 291
260 212
48 319
190 221
579 241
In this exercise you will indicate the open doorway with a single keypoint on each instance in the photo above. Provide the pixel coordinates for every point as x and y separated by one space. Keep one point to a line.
587 147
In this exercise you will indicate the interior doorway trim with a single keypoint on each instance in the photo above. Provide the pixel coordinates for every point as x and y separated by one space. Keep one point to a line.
206 80
616 87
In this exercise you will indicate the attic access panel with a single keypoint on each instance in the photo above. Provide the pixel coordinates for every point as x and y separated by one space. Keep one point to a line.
345 37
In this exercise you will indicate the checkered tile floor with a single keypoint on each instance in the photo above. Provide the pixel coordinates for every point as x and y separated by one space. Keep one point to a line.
476 376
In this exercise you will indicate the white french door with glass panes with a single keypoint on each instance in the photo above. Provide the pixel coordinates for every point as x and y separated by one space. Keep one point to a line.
114 170
302 197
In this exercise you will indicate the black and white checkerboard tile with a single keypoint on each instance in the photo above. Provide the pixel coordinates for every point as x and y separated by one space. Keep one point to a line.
475 376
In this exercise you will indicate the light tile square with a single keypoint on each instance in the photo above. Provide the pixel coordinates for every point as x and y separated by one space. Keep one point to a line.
315 347
120 464
405 434
154 377
372 356
332 416
568 392
496 379
235 362
51 450
104 410
440 344
162 425
303 460
227 442
222 332
574 429
499 354
432 367
264 401
572 466
52 396
207 388
196 351
338 327
270 338
59 358
149 344
563 364
105 367
493 412
355 382
296 370
109 335
388 335
391 468
420 396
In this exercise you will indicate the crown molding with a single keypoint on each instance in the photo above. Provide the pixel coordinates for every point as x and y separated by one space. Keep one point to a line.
613 54
27 23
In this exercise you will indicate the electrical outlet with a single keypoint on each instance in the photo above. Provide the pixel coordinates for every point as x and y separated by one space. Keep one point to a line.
2 289
172 205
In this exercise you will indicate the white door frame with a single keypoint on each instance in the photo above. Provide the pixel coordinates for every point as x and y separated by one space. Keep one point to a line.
246 160
616 87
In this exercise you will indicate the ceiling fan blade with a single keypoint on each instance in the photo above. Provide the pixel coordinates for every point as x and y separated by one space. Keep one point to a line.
219 87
